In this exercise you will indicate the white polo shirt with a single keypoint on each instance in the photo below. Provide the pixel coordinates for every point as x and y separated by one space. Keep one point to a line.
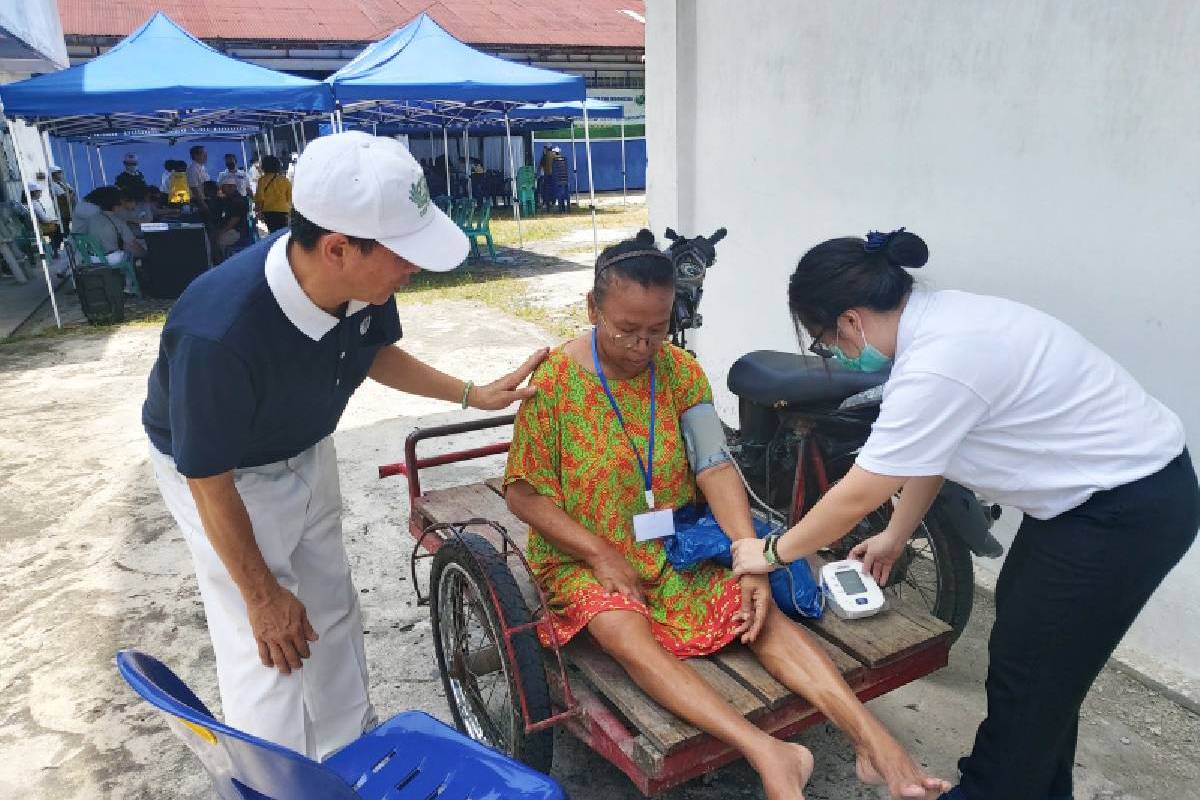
197 176
1015 405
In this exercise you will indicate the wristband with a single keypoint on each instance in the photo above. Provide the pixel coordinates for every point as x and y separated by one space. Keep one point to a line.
467 392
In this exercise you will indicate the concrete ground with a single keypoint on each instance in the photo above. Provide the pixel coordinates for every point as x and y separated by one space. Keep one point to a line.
91 562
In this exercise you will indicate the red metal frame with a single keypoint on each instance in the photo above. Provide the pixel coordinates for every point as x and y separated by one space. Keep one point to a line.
432 537
587 715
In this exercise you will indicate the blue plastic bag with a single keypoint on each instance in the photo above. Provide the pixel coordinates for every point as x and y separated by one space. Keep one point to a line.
698 538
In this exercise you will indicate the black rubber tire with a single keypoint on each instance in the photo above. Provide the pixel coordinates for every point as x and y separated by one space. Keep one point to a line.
955 595
956 583
480 561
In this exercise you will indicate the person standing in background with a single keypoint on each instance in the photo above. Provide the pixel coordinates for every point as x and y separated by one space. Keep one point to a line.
64 195
233 171
131 176
197 176
273 198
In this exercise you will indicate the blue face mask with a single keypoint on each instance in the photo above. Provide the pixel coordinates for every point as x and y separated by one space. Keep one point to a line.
868 360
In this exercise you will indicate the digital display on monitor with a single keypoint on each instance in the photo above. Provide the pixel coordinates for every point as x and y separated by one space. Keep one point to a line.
851 582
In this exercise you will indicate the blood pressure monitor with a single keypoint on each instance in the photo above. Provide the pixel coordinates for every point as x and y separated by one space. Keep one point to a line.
849 591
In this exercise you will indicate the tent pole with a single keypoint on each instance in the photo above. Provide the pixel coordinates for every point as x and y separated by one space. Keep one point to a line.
295 138
74 174
303 137
37 231
245 160
446 159
100 161
50 181
587 138
91 173
624 183
574 166
512 179
467 162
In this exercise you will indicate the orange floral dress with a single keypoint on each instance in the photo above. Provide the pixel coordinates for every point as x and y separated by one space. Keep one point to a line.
569 446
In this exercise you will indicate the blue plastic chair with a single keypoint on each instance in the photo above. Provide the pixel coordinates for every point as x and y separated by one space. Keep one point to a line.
411 756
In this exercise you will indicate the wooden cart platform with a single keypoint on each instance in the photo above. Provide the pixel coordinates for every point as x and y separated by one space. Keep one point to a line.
655 749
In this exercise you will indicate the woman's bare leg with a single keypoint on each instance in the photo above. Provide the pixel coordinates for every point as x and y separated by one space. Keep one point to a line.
625 635
795 659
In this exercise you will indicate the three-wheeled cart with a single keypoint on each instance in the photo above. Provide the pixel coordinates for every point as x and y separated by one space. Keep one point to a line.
504 688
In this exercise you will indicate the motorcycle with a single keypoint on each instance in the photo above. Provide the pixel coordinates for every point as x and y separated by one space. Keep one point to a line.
802 421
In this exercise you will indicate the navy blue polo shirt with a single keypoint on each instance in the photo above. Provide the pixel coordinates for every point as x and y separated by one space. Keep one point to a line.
250 371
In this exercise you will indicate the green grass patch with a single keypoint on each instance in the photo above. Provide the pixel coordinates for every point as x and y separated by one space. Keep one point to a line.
548 226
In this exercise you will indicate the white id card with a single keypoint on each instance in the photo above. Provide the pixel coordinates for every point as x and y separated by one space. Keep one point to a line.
654 524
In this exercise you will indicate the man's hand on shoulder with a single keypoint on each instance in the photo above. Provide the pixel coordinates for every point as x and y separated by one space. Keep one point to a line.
506 391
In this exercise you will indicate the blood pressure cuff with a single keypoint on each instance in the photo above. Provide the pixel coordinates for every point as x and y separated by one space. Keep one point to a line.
703 437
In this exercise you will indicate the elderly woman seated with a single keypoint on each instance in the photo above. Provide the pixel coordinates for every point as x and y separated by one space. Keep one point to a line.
577 474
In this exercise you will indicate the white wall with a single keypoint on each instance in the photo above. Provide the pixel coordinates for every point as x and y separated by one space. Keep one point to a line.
1047 150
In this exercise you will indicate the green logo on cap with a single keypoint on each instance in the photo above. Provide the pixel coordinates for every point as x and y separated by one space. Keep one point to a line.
419 194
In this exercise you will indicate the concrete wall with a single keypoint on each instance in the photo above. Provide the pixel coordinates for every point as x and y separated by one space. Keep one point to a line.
1048 151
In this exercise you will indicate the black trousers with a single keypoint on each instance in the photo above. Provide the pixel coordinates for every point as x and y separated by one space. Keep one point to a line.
1069 590
275 220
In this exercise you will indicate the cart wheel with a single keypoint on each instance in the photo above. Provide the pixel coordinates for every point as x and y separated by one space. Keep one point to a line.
482 684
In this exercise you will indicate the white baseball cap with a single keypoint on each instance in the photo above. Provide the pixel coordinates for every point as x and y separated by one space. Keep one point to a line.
372 188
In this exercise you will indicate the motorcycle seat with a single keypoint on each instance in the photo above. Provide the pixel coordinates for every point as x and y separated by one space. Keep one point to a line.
771 378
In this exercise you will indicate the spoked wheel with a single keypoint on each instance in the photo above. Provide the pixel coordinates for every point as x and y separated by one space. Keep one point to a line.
934 572
483 685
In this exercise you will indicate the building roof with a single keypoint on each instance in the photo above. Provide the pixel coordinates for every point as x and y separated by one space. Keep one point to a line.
560 23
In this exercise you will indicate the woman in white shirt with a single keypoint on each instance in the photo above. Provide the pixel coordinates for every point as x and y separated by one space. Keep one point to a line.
1015 404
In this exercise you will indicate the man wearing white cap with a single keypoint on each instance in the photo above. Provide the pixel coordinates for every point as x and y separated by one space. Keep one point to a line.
257 362
131 176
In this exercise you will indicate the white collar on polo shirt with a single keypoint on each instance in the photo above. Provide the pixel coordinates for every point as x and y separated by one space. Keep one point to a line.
306 315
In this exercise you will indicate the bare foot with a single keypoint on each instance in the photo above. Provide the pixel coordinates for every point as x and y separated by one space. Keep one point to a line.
784 769
890 766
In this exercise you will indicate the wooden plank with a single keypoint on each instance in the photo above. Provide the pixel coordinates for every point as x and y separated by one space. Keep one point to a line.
461 503
657 724
741 663
740 697
745 667
897 631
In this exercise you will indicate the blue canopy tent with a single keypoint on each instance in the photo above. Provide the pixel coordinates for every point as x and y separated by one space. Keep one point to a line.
159 78
421 61
421 73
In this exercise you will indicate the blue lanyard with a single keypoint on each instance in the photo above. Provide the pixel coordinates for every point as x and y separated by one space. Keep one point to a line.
646 467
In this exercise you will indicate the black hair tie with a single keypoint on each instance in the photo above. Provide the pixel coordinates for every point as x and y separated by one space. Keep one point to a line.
878 241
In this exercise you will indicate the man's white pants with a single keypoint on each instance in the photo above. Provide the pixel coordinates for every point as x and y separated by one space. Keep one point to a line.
295 507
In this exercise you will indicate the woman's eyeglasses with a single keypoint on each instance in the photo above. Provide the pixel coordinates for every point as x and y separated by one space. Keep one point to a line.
819 348
630 340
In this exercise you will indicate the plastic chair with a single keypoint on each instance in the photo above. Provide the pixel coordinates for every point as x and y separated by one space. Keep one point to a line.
412 756
91 254
460 211
527 190
480 224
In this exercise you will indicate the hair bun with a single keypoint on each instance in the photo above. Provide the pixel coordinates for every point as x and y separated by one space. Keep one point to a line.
900 248
644 238
907 250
